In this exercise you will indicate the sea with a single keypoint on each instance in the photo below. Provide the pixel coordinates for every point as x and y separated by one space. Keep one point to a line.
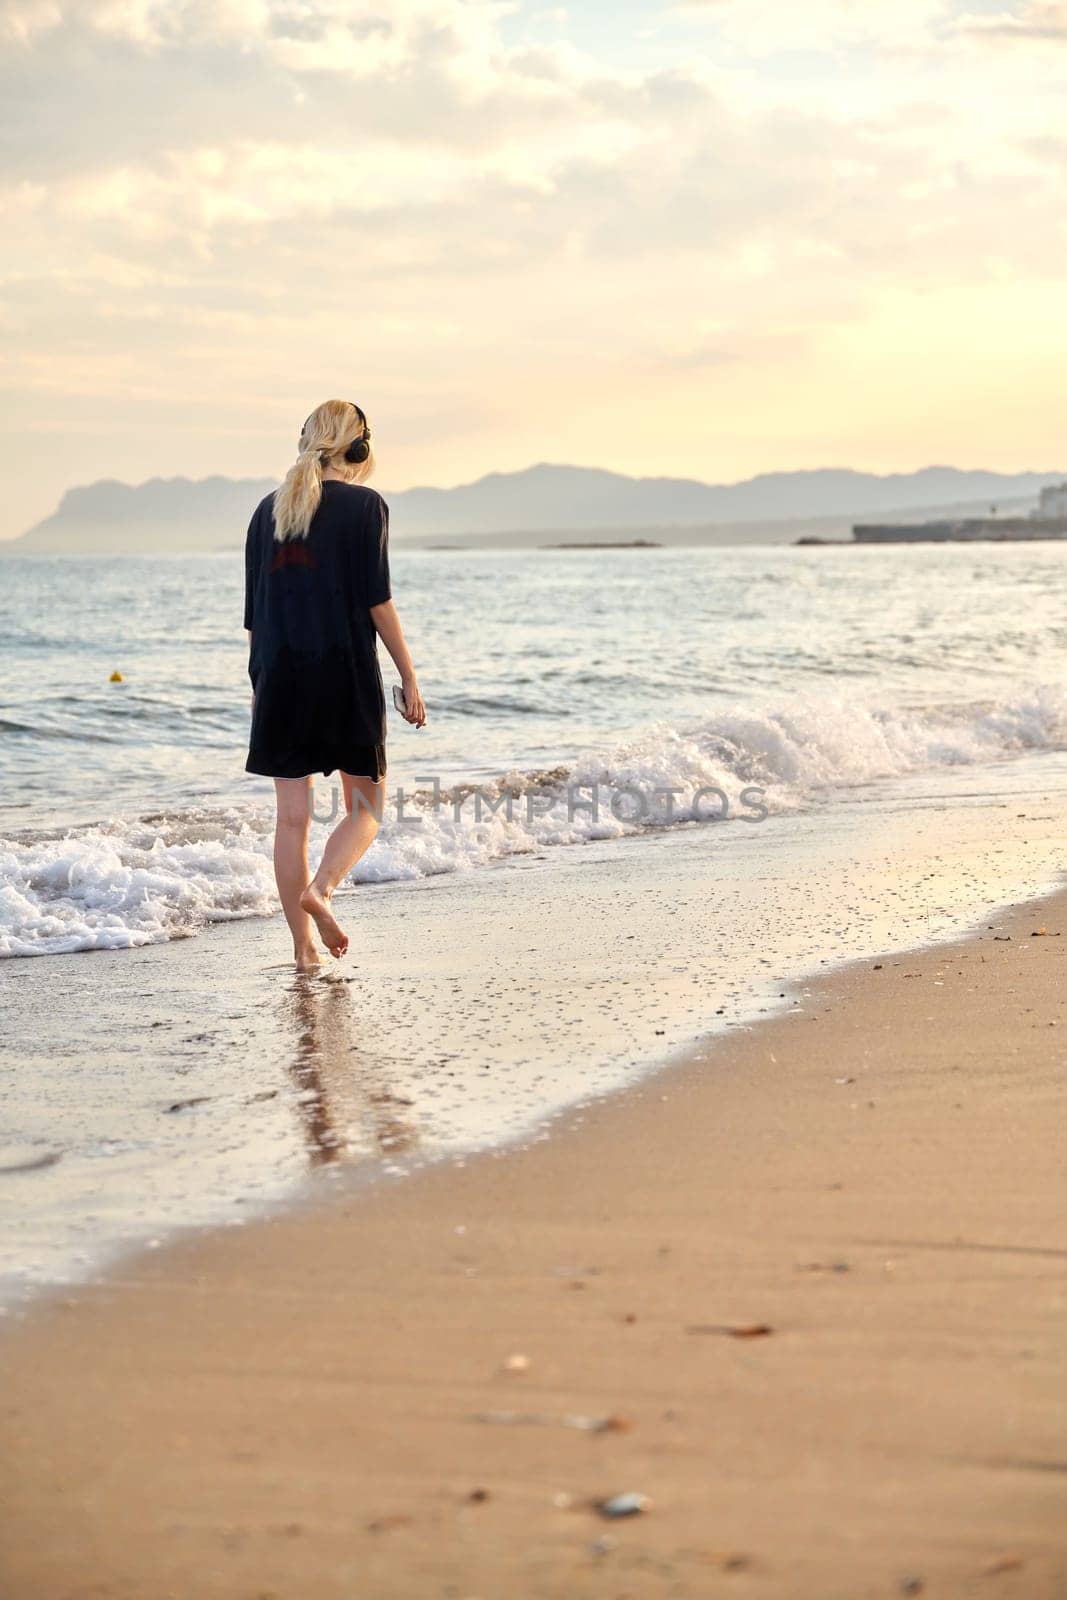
848 749
127 816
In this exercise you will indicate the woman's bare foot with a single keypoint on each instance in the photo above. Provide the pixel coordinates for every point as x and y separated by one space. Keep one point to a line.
306 958
317 906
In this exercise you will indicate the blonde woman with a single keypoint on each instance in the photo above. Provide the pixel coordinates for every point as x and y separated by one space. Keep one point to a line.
317 599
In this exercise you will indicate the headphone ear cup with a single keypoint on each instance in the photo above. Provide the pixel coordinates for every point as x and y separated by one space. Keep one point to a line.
357 451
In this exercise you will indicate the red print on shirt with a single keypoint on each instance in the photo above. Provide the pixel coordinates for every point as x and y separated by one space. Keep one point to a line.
291 553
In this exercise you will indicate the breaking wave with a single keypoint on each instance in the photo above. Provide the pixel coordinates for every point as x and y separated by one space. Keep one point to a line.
132 881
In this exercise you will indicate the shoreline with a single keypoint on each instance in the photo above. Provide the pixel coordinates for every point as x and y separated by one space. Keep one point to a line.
290 1405
195 1084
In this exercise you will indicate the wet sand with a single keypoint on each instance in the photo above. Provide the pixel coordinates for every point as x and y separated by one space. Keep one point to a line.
196 1083
389 1394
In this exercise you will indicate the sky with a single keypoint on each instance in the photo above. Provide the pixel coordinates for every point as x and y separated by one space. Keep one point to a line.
704 238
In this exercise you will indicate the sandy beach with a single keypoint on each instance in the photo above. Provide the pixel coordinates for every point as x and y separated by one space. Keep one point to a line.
805 1292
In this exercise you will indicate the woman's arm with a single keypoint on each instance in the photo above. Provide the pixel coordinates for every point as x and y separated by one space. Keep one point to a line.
391 634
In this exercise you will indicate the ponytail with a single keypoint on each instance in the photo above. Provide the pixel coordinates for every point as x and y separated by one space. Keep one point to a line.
297 501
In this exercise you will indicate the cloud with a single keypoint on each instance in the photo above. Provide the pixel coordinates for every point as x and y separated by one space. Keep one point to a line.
183 125
20 20
1036 22
774 26
211 207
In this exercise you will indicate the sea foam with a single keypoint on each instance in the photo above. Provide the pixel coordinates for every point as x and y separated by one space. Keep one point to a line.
142 880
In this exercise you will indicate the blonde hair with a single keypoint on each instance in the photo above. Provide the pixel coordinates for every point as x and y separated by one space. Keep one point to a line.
325 437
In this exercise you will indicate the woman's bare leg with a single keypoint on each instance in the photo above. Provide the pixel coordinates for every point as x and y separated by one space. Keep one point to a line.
352 838
293 797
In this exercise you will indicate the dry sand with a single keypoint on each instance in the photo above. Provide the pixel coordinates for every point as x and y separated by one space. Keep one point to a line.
299 1409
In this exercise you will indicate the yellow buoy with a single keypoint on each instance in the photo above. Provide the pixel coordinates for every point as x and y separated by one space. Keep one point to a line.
116 677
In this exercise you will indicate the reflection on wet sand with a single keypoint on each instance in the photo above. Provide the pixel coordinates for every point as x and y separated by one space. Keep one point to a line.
343 1094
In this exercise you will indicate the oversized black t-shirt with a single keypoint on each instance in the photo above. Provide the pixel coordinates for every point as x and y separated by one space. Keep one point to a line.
313 659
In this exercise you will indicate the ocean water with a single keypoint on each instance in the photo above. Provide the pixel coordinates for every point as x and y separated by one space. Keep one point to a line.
782 677
864 751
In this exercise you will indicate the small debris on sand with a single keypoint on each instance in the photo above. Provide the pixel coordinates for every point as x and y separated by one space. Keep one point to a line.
614 1423
729 1560
1003 1564
630 1504
395 1519
744 1330
27 1157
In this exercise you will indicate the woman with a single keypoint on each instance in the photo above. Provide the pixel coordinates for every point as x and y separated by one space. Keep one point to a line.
317 599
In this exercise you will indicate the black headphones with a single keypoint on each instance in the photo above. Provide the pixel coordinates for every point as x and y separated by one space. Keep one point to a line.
359 449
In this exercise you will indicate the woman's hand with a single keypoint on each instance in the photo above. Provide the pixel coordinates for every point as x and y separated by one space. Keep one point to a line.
387 626
414 710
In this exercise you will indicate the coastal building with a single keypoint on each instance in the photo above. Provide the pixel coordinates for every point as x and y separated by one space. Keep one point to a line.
1052 502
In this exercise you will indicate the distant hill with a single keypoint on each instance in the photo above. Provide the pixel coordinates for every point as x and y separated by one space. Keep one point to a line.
534 505
162 514
585 498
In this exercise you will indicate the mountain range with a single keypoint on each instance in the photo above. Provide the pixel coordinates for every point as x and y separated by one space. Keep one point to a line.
535 505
